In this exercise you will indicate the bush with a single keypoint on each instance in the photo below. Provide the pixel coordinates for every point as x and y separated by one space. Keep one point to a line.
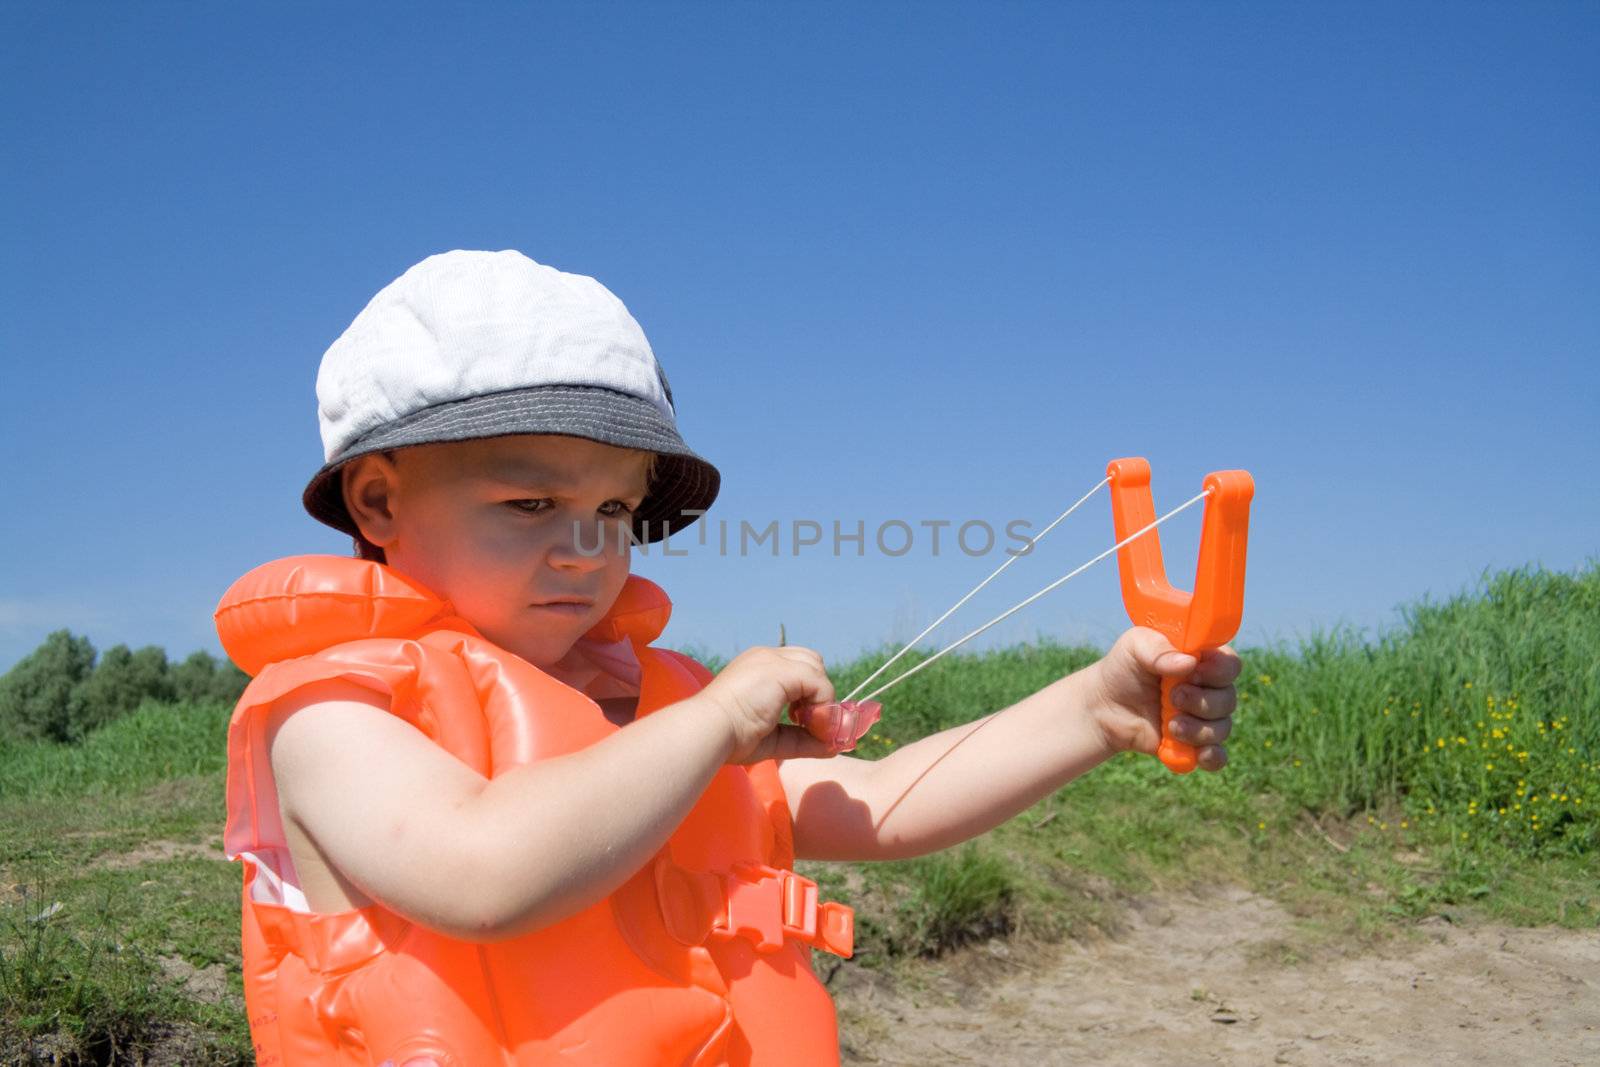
36 694
59 693
202 679
118 683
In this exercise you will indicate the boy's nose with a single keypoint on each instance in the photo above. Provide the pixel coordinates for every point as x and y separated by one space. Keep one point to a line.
585 546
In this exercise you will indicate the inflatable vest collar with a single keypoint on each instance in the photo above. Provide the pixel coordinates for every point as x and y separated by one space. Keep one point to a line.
701 958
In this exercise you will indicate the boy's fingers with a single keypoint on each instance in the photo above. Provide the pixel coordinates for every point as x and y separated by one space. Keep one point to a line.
795 742
1205 703
1194 731
1217 667
1156 654
800 653
1212 758
808 685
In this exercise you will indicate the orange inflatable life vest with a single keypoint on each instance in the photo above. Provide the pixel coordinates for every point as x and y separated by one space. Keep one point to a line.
702 958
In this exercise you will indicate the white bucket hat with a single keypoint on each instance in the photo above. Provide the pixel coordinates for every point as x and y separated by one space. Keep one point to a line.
482 344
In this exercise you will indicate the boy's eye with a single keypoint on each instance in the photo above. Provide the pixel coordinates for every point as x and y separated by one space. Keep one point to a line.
534 507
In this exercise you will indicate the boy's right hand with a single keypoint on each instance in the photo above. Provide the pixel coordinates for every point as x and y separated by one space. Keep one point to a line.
753 690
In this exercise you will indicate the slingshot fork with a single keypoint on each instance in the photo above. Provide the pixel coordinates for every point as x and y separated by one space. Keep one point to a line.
1196 621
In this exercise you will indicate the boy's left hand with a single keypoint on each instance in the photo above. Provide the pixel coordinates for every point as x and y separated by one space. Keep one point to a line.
1128 710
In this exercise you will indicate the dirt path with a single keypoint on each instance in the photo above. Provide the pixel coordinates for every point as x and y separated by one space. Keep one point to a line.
1218 982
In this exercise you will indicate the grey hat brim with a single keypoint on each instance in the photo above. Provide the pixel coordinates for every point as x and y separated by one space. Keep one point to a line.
683 481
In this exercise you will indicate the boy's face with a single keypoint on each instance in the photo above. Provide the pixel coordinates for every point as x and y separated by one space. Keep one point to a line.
504 526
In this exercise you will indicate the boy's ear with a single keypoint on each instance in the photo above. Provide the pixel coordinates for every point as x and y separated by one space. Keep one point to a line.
369 483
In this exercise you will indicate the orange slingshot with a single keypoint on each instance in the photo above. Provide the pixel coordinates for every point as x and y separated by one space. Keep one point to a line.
1197 621
1193 621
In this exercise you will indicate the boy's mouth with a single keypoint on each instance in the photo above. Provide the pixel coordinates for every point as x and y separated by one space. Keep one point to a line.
565 605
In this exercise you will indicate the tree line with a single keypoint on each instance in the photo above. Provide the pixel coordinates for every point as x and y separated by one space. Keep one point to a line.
61 691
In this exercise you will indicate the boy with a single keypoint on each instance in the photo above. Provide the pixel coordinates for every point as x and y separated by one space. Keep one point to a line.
494 429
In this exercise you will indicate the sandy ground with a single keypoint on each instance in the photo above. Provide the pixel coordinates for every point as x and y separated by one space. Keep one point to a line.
1222 981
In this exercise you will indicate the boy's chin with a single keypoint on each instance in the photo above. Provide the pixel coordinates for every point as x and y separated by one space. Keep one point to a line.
549 656
547 645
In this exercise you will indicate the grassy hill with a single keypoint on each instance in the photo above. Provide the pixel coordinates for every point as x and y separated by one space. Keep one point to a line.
1452 764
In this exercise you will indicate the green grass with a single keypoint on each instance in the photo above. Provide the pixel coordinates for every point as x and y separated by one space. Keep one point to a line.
156 743
1450 766
1480 717
89 905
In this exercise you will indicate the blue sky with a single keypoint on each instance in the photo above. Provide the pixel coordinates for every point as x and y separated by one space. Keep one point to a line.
913 261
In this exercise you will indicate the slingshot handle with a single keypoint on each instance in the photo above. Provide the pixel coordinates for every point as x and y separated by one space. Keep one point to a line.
1179 757
1193 621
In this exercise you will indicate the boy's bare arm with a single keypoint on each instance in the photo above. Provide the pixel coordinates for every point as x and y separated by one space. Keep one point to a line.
966 780
948 786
